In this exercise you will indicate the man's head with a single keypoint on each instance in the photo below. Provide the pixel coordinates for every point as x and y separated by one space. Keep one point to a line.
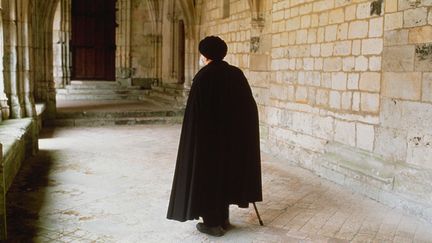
213 48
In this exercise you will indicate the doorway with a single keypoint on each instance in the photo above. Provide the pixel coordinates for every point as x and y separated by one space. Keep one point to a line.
93 40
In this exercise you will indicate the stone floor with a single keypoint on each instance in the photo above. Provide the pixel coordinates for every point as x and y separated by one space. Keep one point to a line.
112 184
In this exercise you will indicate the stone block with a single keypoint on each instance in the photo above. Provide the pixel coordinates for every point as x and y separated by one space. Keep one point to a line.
430 17
365 136
312 36
348 63
393 21
356 47
396 37
415 17
336 16
361 63
391 143
326 80
398 58
273 116
302 122
342 32
423 59
301 94
376 27
308 64
427 87
350 12
370 102
319 63
402 85
358 29
327 49
259 62
322 127
419 151
370 81
305 21
301 36
279 92
293 24
314 20
356 101
420 35
346 100
339 80
406 115
363 10
342 48
391 6
322 97
320 34
345 132
375 63
332 64
353 81
330 33
335 100
372 46
315 50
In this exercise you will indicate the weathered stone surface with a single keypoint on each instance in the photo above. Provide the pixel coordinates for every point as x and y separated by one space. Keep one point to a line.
419 151
365 136
393 21
345 132
370 81
420 35
396 37
398 58
402 85
415 17
370 102
398 140
427 87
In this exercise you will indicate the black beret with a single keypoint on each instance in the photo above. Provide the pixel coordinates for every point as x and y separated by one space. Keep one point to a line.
213 47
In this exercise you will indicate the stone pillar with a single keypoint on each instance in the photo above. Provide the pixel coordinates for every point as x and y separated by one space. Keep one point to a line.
61 48
4 108
124 70
13 87
25 58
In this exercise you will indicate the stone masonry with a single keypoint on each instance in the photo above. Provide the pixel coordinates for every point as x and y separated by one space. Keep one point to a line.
343 87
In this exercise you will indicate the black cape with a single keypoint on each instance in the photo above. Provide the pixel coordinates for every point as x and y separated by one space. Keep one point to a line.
218 159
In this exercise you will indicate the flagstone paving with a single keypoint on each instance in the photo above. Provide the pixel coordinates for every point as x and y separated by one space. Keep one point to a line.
112 184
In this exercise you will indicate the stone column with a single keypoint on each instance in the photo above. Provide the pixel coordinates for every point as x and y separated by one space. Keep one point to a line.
25 58
13 87
4 107
61 48
124 70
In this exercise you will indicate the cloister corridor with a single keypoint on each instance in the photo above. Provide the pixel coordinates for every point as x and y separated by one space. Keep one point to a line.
118 191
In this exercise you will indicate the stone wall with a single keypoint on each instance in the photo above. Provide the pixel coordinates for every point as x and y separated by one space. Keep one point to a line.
343 88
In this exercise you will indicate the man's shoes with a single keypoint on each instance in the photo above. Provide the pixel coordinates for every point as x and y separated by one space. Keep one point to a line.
213 231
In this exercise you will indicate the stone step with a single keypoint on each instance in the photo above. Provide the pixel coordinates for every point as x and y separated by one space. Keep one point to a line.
94 84
101 92
101 96
94 122
118 114
170 90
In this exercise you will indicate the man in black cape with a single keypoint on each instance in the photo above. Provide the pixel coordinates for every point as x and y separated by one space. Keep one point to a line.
218 160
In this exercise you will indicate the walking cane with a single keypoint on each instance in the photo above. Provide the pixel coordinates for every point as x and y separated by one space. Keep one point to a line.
259 218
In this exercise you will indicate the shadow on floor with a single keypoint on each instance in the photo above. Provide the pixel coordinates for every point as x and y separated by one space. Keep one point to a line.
26 196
